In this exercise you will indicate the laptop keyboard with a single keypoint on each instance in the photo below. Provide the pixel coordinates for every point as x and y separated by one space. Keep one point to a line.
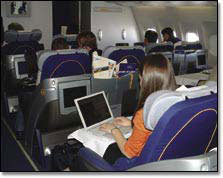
95 131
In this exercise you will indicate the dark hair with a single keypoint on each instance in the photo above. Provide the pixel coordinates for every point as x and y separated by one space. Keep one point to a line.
157 74
89 39
15 26
168 31
79 37
59 43
151 36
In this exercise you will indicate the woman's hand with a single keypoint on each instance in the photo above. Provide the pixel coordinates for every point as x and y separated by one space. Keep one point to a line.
107 127
122 121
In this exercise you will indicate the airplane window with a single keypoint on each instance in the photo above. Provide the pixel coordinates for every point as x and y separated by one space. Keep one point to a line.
153 29
174 33
191 37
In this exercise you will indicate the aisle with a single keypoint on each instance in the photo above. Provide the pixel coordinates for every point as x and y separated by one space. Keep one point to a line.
12 157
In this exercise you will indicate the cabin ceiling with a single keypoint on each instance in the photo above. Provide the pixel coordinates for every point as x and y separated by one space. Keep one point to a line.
164 3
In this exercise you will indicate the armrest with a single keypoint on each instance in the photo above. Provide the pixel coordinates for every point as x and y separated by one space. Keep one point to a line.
91 161
205 162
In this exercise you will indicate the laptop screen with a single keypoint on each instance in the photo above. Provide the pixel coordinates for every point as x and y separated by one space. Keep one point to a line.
94 109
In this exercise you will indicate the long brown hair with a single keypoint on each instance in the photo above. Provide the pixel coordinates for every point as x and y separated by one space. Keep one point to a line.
156 74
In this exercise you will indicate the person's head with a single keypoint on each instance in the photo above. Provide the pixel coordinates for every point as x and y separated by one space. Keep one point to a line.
167 33
150 37
15 26
88 40
59 43
155 73
80 39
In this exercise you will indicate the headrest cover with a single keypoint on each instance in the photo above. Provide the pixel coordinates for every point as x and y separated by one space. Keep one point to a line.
163 100
12 35
36 35
159 102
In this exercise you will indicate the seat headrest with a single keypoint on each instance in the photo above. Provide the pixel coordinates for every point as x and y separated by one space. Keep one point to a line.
184 45
159 102
108 50
162 47
12 35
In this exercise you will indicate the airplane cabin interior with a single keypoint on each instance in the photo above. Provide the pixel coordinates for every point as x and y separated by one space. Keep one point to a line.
109 86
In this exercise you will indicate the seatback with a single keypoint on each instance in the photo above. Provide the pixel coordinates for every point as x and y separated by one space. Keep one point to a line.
162 47
19 42
186 128
178 62
196 60
132 54
62 63
193 46
183 45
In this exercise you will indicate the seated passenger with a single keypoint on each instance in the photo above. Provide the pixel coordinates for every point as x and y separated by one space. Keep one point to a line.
150 40
88 41
80 39
156 73
168 35
15 26
59 44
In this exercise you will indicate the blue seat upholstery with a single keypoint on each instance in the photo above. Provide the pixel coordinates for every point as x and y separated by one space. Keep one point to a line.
189 46
187 128
162 48
132 54
60 64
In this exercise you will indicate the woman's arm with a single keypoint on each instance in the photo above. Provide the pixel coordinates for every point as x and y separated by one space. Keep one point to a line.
117 134
120 139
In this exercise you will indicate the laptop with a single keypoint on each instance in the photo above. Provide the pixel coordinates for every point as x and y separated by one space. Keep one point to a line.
94 111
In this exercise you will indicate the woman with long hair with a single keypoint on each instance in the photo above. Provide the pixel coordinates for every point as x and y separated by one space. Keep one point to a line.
155 73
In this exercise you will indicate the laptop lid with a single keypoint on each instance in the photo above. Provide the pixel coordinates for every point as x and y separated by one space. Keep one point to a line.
93 109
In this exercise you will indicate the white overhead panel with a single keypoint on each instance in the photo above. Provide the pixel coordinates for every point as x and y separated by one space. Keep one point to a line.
164 3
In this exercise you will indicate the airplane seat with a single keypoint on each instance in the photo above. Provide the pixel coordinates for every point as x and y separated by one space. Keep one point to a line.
18 41
52 112
178 62
139 44
196 60
162 47
183 45
133 54
186 126
61 63
193 46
